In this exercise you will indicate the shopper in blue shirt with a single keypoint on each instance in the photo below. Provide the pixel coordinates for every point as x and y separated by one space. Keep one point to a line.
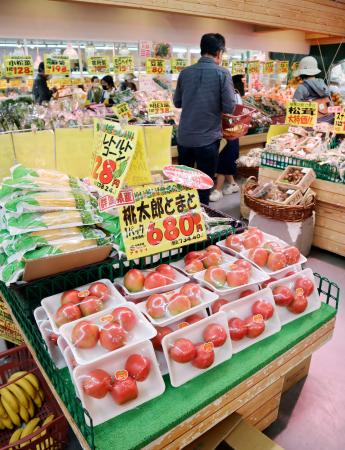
204 91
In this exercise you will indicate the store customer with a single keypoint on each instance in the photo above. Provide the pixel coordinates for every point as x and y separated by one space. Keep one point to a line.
40 89
108 90
94 94
204 91
226 169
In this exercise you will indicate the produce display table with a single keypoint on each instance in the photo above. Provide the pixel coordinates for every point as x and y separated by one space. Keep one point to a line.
329 214
250 383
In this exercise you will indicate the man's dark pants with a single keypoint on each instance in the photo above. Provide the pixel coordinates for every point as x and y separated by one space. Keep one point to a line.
205 158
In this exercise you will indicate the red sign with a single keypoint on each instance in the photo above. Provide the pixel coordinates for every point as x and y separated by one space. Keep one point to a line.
125 197
189 177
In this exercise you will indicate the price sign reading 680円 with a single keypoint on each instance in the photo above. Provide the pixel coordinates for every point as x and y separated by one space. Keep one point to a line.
114 148
162 217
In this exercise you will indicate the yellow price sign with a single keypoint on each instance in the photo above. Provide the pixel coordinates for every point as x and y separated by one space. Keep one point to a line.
225 63
122 110
123 64
294 66
303 114
159 108
57 65
178 64
155 66
77 81
98 64
253 67
3 84
15 83
114 148
237 68
339 122
18 66
163 217
283 66
269 67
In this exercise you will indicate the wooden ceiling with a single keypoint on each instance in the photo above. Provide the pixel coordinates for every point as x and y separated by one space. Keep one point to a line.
326 17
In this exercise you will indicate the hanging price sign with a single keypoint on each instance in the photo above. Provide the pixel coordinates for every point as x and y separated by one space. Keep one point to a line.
303 114
237 68
339 122
114 148
269 67
178 64
294 66
159 108
282 66
122 110
18 66
57 65
98 64
163 217
225 63
155 66
123 64
253 67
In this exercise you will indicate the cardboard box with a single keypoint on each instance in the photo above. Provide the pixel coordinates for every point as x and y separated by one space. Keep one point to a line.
52 265
303 185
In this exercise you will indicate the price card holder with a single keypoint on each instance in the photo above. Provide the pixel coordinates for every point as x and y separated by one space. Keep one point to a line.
57 65
178 64
283 66
269 67
303 114
123 64
18 66
122 111
237 68
339 122
163 217
159 108
155 66
254 67
98 64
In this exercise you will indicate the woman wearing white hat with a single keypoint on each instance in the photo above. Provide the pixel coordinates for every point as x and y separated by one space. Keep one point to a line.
312 89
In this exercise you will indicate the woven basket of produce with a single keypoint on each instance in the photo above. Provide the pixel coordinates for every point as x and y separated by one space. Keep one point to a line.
275 210
237 124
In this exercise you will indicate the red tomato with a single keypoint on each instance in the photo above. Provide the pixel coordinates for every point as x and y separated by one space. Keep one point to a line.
138 367
125 317
204 356
100 290
242 264
237 277
305 284
255 327
212 259
215 333
272 246
276 261
156 305
237 328
155 280
183 351
246 292
71 296
178 303
255 230
263 308
53 338
259 256
167 271
67 313
112 336
292 255
252 240
282 295
157 340
234 242
125 390
193 292
214 249
97 383
193 318
215 276
218 304
191 256
288 274
134 280
194 266
91 305
267 282
85 334
299 303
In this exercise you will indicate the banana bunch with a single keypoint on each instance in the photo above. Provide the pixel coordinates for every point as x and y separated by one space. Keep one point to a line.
31 427
18 400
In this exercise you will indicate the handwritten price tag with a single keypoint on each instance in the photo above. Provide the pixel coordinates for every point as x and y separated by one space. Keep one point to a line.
269 68
155 66
303 114
57 65
254 67
283 66
159 108
123 64
178 64
122 110
98 64
237 68
18 66
339 122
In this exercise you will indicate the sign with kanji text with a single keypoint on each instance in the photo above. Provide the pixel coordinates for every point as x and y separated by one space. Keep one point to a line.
237 68
113 151
178 64
125 197
334 109
339 122
269 67
145 48
123 64
282 66
18 66
57 65
159 108
225 63
122 111
98 64
303 114
163 217
253 67
155 66
8 329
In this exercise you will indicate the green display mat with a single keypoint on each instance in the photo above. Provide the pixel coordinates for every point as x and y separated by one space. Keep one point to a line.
140 426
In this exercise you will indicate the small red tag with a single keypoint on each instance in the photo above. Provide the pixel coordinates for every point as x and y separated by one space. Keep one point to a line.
258 318
299 291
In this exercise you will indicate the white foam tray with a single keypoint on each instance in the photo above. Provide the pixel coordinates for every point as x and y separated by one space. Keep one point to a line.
314 301
142 331
54 350
256 277
52 304
208 298
243 308
106 408
181 373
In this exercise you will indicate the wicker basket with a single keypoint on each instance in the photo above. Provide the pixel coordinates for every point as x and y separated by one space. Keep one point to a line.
237 124
284 213
246 172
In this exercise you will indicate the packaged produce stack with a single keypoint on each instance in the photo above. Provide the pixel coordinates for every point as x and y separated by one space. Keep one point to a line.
43 213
